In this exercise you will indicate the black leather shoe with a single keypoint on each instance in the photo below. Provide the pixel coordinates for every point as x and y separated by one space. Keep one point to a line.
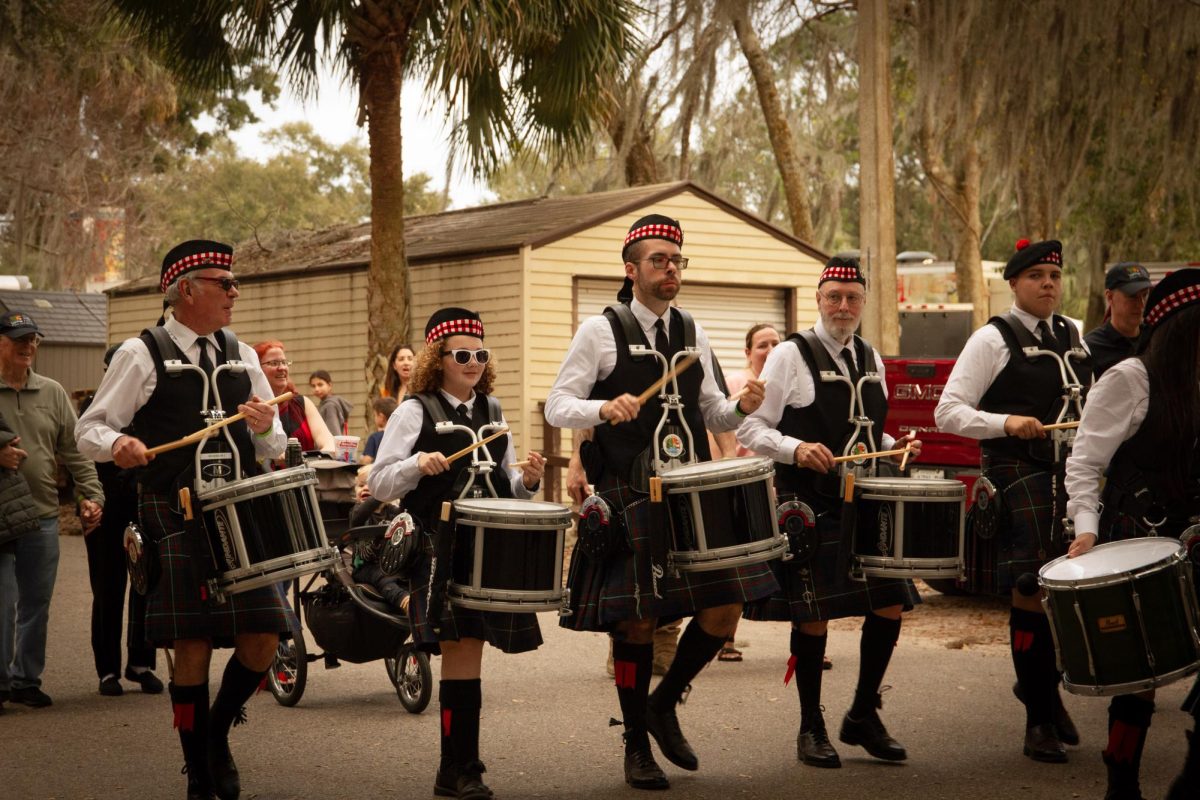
226 782
1123 783
111 687
870 734
469 784
31 696
197 787
664 727
1068 734
814 748
147 680
643 772
1042 744
447 782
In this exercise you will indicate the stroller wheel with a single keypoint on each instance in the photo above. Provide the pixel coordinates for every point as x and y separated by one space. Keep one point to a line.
288 674
412 676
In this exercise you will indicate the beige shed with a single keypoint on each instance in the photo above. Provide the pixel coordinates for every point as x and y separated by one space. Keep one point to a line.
533 269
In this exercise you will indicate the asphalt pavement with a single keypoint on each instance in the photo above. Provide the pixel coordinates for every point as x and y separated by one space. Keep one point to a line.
546 731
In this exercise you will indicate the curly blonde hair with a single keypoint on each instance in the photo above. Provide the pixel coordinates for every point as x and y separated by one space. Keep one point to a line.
427 371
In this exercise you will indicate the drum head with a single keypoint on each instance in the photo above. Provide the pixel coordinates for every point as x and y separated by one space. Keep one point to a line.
1113 558
718 471
279 479
912 487
484 507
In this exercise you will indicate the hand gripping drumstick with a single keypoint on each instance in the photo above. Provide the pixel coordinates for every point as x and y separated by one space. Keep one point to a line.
740 393
879 454
1061 426
907 450
658 384
205 432
466 450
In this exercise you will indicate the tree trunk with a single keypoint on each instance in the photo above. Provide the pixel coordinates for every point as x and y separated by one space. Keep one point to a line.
968 266
388 297
778 129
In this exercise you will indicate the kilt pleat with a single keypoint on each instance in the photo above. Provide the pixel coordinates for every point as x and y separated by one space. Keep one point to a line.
1029 541
635 585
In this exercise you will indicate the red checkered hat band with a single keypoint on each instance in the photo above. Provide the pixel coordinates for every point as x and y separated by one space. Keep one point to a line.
194 261
1173 301
1053 257
840 274
462 327
656 231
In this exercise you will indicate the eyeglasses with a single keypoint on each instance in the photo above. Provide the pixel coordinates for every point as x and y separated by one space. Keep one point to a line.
30 338
834 299
464 356
659 261
277 363
225 283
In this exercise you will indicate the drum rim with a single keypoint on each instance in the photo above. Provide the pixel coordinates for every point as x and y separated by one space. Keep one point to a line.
545 508
1177 555
312 555
517 524
707 471
758 547
292 477
1112 689
947 488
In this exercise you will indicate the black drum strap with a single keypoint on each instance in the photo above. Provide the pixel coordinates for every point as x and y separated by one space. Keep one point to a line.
432 407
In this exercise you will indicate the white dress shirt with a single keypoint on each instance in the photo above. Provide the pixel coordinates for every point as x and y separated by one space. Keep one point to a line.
130 380
395 472
981 360
1116 408
791 383
592 357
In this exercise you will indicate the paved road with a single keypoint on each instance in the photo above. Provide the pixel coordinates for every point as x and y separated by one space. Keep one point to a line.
546 732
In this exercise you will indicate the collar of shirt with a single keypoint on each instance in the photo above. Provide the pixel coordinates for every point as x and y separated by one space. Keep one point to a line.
646 318
1029 320
186 338
33 382
833 345
455 402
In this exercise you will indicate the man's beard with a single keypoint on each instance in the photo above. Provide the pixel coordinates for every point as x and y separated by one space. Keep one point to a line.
839 329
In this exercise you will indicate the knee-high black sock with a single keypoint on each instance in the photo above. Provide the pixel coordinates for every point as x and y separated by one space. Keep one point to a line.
1128 722
190 704
238 684
696 649
878 640
461 701
632 665
1033 661
808 654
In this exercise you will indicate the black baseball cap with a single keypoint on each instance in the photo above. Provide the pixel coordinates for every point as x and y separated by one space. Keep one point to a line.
1128 276
15 324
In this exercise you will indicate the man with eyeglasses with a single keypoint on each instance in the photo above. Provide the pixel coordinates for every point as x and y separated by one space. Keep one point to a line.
40 413
811 379
137 391
627 592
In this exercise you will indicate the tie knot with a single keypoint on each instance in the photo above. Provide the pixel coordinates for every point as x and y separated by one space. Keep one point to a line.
462 410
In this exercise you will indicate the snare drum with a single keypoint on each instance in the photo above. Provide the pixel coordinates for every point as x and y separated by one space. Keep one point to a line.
722 514
508 555
1124 616
909 527
264 530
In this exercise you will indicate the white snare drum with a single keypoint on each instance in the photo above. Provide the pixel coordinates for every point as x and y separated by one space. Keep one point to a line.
508 555
1124 616
722 514
909 527
264 530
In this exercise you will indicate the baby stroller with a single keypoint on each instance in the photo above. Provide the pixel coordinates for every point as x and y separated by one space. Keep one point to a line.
350 621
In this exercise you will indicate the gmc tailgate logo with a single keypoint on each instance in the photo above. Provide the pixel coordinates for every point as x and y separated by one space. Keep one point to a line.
915 391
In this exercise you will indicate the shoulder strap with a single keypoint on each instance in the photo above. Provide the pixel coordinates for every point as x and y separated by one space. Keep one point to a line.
866 364
1015 334
817 350
689 326
624 317
231 345
163 346
494 414
1072 331
432 407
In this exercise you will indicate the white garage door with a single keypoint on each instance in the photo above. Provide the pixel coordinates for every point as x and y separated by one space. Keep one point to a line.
725 312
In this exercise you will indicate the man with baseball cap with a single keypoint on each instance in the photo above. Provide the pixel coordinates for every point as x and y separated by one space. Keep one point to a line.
1126 287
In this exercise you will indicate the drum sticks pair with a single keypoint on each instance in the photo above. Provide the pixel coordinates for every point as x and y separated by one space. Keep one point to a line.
207 431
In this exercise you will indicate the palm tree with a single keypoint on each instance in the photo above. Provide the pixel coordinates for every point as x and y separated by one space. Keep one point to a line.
521 74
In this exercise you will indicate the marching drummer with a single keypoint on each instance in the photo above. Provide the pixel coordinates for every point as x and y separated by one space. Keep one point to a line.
452 381
200 289
802 422
1004 397
625 593
1141 419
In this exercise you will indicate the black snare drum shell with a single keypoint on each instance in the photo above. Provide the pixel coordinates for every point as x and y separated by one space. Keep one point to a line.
513 560
732 516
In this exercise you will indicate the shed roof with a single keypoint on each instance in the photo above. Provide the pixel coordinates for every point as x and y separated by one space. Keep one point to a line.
467 232
64 317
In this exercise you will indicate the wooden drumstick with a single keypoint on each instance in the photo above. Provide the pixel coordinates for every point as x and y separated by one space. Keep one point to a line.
466 450
907 450
207 431
740 393
878 454
185 501
658 384
1061 426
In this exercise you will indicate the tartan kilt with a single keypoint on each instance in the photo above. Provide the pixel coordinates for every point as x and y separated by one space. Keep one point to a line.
814 591
1030 540
635 584
176 608
506 631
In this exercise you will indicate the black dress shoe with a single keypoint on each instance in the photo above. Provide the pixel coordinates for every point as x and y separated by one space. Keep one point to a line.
869 733
227 782
31 696
147 680
469 784
197 787
1042 744
814 748
111 686
642 771
664 727
1068 734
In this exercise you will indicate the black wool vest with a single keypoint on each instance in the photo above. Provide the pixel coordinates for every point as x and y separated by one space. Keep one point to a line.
827 419
1030 386
173 411
620 445
426 498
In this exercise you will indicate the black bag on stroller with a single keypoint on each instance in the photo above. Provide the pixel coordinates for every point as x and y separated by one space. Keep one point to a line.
344 630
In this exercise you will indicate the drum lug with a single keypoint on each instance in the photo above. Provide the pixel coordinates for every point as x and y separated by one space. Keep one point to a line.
215 593
565 609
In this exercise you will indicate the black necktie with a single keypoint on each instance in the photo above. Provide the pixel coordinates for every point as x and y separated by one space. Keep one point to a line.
463 412
660 337
1047 336
204 362
849 359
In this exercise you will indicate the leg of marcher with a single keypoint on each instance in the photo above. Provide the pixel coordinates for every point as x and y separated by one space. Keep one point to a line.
1037 677
108 605
862 725
1128 723
460 773
808 655
244 673
189 700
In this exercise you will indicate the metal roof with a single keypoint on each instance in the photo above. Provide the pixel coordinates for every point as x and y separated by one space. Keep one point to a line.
490 229
64 317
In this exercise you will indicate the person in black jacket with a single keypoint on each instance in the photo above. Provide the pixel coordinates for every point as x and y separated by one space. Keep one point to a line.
1126 287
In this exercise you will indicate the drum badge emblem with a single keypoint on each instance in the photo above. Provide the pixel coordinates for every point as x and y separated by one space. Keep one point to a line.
885 530
672 445
858 450
1113 624
656 572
